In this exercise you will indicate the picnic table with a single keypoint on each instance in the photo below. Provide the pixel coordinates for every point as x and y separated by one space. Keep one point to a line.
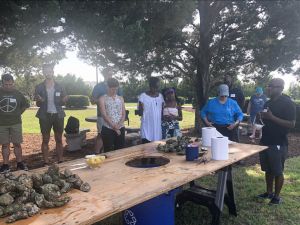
116 187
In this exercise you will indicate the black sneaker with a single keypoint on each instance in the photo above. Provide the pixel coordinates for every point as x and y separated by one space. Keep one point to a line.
266 195
275 201
22 166
4 168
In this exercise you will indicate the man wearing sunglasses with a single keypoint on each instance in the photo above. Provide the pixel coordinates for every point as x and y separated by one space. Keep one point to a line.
279 115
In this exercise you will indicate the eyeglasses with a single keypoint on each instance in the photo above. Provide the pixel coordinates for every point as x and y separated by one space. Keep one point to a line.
223 96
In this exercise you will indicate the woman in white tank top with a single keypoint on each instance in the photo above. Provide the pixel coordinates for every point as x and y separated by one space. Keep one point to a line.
172 113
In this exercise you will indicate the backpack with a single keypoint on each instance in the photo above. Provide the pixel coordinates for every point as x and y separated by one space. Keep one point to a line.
72 126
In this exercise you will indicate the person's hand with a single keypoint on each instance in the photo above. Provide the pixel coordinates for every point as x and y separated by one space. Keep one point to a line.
268 115
39 98
118 132
115 127
231 126
209 124
65 99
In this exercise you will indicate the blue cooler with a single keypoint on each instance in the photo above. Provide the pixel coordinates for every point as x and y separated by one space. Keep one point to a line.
156 211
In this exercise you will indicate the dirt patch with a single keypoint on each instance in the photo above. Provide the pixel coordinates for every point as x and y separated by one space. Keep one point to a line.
34 159
32 154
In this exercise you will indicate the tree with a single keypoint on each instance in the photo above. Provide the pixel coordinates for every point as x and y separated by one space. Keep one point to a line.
200 41
197 40
26 84
31 32
74 85
294 91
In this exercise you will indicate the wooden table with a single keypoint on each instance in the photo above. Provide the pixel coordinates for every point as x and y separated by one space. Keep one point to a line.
116 187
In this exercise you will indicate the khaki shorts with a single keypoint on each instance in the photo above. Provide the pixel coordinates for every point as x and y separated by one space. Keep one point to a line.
11 134
51 121
99 124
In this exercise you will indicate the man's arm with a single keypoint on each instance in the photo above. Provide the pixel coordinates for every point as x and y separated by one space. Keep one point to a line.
37 97
24 104
203 115
281 122
64 96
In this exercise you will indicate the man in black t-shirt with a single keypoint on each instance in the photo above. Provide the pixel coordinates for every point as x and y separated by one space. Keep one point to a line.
279 116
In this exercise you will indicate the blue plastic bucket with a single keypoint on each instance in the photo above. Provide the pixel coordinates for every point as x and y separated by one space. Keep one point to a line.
156 211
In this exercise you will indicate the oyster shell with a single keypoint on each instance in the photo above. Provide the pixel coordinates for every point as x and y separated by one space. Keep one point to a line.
17 216
31 208
6 199
23 196
85 187
7 186
53 170
68 173
37 180
47 179
50 191
25 180
13 208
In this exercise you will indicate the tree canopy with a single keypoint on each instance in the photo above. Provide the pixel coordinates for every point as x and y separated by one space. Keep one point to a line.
197 40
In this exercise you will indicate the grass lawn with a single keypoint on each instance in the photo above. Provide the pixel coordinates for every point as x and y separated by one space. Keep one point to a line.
31 123
248 182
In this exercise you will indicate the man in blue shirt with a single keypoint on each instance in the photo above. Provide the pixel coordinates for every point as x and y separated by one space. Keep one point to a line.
223 113
98 91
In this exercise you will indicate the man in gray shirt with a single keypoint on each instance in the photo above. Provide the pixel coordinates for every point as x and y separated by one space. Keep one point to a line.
50 97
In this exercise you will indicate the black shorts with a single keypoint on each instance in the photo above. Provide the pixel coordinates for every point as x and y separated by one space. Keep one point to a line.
272 159
51 120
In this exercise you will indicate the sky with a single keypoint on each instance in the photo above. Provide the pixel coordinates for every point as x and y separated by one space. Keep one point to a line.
73 65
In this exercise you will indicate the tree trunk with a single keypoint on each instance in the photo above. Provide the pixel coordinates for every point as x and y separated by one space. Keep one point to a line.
202 79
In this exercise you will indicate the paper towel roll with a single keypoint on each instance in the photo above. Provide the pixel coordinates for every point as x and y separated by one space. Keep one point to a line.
207 134
219 148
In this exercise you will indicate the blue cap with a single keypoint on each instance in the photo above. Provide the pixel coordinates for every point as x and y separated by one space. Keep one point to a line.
259 90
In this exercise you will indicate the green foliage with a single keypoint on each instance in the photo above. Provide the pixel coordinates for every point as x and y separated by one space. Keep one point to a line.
26 84
77 101
246 38
74 85
133 87
31 32
182 100
294 91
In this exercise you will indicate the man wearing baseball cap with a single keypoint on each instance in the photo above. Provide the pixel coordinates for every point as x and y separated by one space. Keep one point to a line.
256 105
223 113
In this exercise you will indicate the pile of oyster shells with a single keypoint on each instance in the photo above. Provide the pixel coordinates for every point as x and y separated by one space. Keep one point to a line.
23 196
177 145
